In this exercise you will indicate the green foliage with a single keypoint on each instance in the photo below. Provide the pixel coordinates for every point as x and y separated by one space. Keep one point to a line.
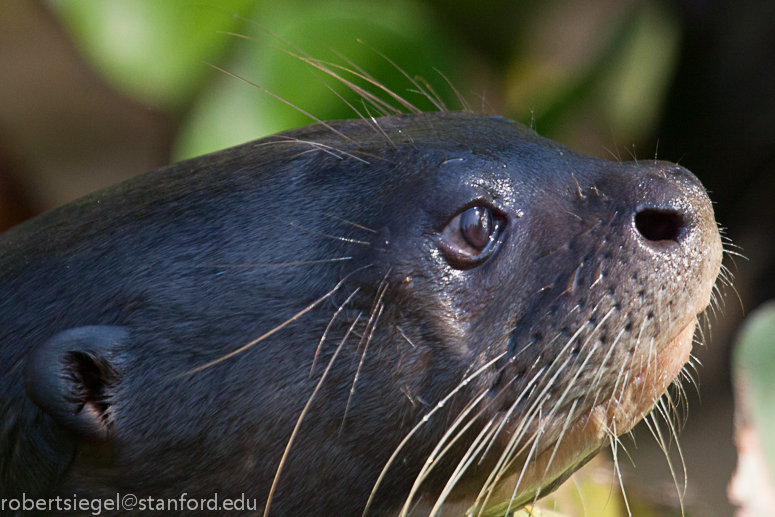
582 75
589 75
754 368
152 50
161 53
349 33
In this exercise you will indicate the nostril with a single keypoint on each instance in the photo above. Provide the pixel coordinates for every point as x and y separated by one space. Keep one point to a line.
659 225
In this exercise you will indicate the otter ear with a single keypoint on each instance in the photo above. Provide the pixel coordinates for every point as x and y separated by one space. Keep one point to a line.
72 377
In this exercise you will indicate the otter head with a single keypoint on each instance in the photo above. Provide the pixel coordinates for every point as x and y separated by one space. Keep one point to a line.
406 315
534 303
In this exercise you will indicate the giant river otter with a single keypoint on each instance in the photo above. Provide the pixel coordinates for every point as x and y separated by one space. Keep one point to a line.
420 314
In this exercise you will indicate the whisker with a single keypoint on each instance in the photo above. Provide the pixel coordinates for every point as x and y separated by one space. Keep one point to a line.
321 65
378 127
459 418
301 417
304 56
441 448
565 427
373 324
435 95
440 107
485 103
462 466
614 156
425 419
285 139
508 454
352 64
401 331
657 431
328 327
321 234
271 332
536 440
351 223
614 444
276 264
580 368
463 102
341 97
317 146
601 369
674 434
303 112
632 153
513 407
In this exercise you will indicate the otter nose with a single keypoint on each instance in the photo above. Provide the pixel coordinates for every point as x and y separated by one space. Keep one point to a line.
669 205
660 225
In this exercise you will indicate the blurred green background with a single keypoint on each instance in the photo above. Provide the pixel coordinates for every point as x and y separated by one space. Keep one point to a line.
93 92
615 63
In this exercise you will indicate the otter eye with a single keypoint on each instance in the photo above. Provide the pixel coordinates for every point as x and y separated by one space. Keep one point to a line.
476 226
471 237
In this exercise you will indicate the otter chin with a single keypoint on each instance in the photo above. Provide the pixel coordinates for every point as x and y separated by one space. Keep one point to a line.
586 435
420 314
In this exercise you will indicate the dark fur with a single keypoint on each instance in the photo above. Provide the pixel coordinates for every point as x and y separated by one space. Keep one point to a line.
182 260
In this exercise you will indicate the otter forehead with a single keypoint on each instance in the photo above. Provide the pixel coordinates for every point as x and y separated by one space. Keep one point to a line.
431 159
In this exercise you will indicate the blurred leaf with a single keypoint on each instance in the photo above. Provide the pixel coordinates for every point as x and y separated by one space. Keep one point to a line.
754 381
592 490
595 70
152 50
634 90
536 511
348 32
754 363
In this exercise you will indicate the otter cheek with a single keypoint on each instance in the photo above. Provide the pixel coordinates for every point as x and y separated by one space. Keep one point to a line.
626 408
614 416
641 395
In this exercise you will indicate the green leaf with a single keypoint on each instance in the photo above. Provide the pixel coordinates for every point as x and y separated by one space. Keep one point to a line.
152 50
754 367
348 32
